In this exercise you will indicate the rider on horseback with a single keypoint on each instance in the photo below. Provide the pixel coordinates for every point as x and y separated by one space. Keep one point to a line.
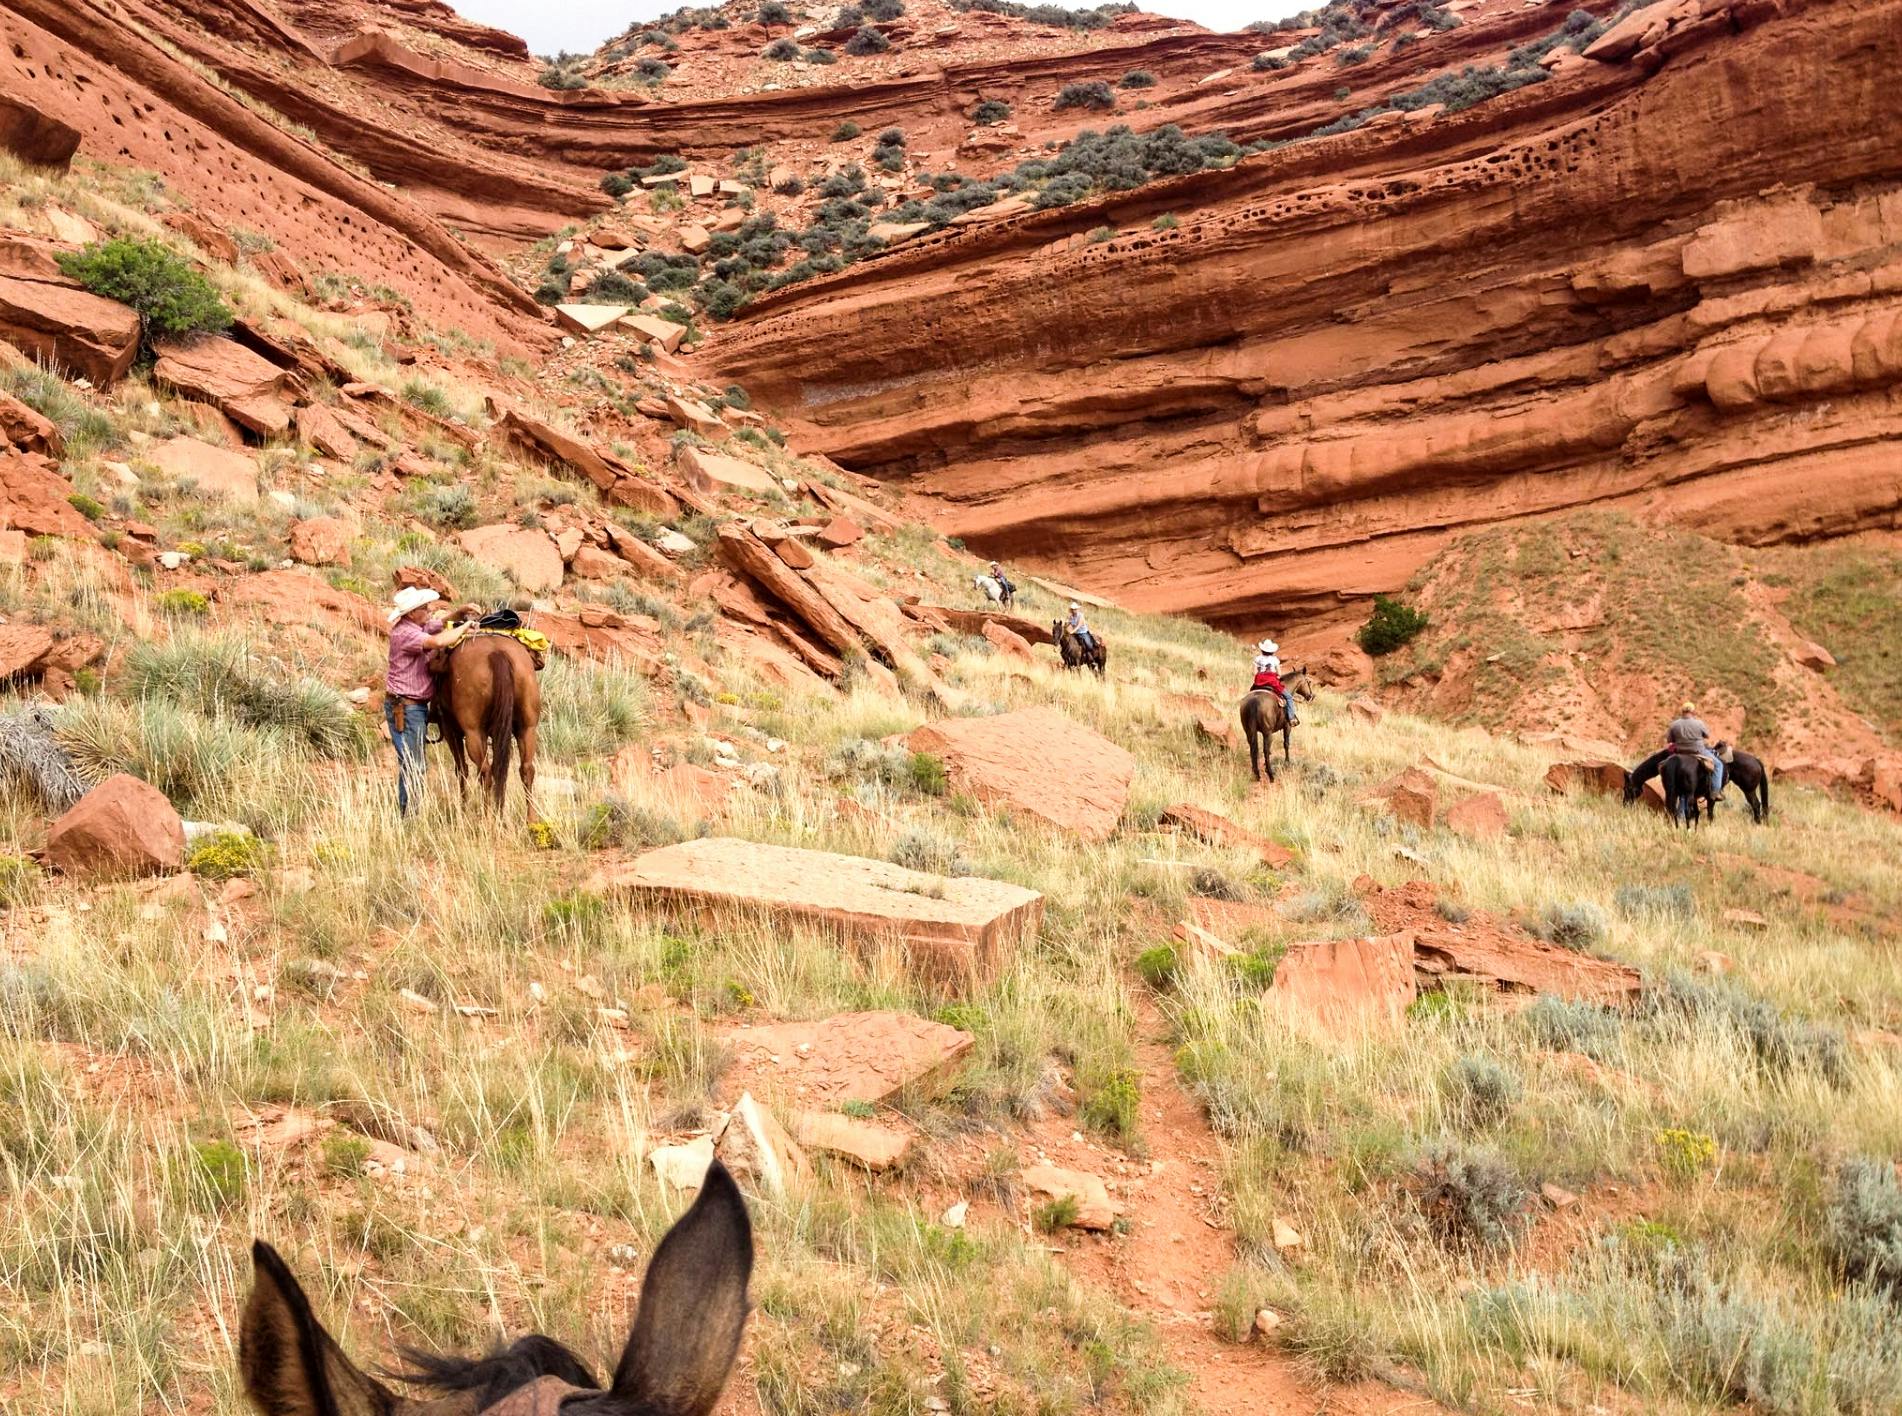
1003 581
1687 733
1268 676
1081 630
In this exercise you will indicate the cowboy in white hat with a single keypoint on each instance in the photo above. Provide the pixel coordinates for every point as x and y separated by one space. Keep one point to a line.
1268 676
408 686
1077 626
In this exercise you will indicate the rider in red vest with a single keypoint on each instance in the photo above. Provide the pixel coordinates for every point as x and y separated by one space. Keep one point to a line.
1268 676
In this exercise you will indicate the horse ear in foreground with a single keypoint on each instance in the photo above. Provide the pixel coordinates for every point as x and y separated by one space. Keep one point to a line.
685 1339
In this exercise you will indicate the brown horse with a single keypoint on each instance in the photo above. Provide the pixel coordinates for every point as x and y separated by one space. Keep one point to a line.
686 1335
1264 715
494 702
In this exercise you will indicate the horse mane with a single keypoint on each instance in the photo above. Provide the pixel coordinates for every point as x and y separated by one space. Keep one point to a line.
493 1377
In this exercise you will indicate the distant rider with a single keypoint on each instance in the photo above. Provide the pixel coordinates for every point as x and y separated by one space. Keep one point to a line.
1268 676
1081 630
1003 582
1687 733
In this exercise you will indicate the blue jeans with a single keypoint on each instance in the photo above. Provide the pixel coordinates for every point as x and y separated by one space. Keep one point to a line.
409 749
1716 769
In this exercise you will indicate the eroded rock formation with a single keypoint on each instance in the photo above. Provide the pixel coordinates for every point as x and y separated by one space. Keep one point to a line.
1668 281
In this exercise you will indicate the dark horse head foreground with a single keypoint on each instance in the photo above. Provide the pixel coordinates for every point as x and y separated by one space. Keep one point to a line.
1264 715
494 703
686 1336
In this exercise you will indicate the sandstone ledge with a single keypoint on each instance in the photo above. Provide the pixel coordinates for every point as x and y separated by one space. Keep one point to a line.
952 930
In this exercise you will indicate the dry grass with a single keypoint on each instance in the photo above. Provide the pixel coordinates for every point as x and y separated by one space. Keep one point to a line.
140 1034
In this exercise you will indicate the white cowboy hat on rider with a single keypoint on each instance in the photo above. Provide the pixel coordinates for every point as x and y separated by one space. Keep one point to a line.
1268 646
410 598
1075 606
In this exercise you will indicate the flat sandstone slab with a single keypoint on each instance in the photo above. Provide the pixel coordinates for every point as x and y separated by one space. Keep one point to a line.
951 929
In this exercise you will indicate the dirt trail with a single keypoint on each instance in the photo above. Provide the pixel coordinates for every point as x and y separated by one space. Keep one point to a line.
1170 1266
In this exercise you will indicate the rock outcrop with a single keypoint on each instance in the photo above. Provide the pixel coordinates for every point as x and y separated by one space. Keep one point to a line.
1642 283
954 930
1038 763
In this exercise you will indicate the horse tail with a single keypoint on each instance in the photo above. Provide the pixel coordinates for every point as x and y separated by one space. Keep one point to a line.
1763 790
500 722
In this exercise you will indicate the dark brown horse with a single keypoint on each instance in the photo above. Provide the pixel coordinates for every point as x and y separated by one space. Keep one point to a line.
1070 649
493 702
1264 715
686 1335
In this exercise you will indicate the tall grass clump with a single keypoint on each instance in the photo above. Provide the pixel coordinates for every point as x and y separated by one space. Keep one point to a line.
223 674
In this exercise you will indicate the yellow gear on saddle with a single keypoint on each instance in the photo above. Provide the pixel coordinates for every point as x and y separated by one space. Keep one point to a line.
532 640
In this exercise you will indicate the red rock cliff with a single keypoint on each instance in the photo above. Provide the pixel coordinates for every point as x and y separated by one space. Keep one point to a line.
1670 282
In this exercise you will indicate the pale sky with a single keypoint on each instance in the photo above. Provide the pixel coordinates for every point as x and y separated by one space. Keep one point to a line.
582 25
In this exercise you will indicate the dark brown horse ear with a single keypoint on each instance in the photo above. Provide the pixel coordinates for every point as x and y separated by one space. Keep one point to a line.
693 1307
290 1365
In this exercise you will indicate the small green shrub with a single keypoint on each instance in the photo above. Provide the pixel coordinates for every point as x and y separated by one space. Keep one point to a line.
1057 1214
845 132
782 50
1391 625
927 775
1268 63
1158 966
772 13
1113 1105
225 854
182 602
1137 79
868 41
991 110
19 877
427 397
1166 222
217 1175
345 1154
86 506
173 300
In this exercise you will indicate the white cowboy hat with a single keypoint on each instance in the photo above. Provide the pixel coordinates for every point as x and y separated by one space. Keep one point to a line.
1268 646
411 597
1075 606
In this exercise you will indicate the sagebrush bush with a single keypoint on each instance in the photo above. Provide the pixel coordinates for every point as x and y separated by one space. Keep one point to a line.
1391 625
1655 901
1137 79
1094 93
451 507
867 41
991 110
782 50
1864 1223
1478 1090
1471 1197
172 299
927 851
1574 926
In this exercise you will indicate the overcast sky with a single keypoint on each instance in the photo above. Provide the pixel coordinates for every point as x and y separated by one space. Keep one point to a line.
582 25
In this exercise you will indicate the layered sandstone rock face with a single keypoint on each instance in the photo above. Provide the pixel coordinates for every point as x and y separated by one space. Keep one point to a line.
1668 281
